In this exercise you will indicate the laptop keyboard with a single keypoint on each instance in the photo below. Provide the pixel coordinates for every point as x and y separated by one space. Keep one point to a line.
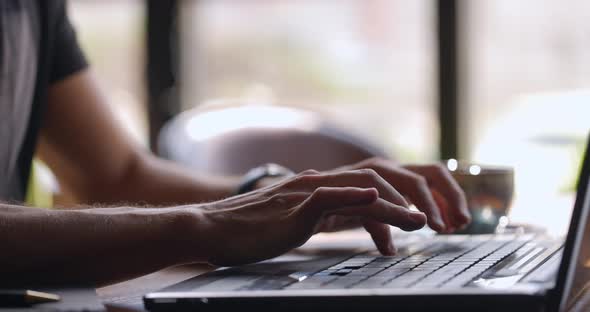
438 265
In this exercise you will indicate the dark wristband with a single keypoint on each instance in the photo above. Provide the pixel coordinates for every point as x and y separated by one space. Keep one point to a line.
258 173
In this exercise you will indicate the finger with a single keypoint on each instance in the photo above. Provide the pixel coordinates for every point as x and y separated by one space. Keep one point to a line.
409 200
362 178
444 207
381 236
416 188
324 199
385 212
326 225
411 185
441 179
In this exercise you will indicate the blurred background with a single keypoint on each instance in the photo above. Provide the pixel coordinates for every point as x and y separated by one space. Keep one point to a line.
499 82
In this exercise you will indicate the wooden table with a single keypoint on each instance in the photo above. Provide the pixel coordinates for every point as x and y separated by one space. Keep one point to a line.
127 296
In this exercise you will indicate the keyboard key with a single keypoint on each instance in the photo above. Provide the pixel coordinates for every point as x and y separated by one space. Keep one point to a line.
364 272
378 265
404 266
445 265
353 267
390 273
388 259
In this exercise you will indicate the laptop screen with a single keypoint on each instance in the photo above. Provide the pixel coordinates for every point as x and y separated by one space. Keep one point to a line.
574 273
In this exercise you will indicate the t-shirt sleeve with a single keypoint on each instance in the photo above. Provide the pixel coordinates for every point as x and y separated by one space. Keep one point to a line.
68 57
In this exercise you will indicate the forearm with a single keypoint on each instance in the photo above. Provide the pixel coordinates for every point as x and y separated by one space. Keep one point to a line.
92 245
139 178
156 181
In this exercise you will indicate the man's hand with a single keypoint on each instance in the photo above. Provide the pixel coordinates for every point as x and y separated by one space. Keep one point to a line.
271 221
431 188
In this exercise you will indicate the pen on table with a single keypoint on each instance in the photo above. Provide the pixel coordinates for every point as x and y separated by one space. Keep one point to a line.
24 297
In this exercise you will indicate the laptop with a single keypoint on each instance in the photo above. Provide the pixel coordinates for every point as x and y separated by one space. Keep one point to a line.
520 272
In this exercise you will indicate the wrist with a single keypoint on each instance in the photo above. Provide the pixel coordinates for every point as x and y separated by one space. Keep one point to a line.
187 234
211 234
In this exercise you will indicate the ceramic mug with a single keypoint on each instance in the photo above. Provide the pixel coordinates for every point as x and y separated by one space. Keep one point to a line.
489 191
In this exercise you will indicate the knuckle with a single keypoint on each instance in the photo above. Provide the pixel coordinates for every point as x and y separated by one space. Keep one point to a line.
374 160
371 173
297 180
297 177
445 174
440 168
380 161
307 175
309 172
439 171
278 199
420 181
320 191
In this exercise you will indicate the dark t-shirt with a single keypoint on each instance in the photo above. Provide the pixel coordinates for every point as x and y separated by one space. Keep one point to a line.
38 47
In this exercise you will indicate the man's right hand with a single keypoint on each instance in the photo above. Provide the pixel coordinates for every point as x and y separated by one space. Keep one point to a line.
271 221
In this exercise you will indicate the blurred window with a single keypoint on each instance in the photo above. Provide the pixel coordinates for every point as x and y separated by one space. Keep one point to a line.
368 63
528 97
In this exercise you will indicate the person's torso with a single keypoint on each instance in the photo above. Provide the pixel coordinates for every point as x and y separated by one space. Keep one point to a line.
19 44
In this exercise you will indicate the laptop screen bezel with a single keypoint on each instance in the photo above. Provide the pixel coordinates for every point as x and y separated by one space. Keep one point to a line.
575 234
